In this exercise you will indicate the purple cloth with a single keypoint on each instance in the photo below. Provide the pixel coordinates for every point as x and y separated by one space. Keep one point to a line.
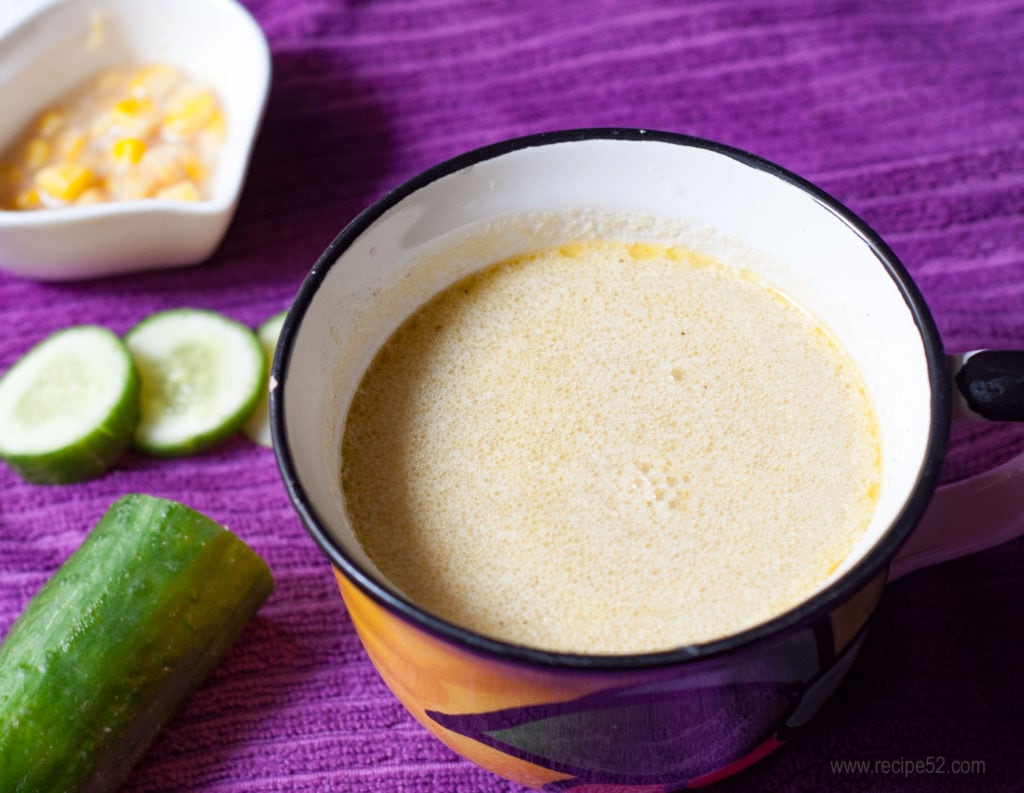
911 113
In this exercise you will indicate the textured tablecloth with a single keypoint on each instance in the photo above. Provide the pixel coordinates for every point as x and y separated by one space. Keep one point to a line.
911 113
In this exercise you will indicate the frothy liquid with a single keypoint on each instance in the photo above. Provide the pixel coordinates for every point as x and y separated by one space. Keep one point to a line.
610 448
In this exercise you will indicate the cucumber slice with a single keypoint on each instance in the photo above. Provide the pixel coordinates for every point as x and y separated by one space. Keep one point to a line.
116 640
201 373
69 406
258 425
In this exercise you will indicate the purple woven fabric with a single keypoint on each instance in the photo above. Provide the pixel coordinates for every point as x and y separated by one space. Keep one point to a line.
911 113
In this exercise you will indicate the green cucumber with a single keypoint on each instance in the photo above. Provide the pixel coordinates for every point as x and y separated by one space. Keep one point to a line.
116 640
201 373
69 406
257 427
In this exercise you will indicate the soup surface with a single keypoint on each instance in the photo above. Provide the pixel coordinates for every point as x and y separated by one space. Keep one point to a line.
610 448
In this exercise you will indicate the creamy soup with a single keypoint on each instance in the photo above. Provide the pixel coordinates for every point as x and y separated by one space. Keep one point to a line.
610 448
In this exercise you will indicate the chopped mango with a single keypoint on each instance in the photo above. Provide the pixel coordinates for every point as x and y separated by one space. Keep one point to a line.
128 150
27 199
193 166
132 106
65 182
190 111
128 133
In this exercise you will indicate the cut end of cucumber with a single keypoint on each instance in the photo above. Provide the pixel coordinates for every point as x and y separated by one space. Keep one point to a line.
258 425
69 406
201 375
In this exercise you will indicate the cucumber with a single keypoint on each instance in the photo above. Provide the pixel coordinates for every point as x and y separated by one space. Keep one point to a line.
201 374
69 406
257 427
115 642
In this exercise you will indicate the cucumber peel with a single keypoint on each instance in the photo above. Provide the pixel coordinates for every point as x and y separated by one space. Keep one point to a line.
201 375
257 427
116 640
69 406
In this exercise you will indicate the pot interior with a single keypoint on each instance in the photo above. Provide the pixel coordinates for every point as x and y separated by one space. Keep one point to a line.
465 215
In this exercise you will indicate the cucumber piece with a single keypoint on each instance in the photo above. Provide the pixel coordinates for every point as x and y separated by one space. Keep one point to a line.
115 642
257 427
69 406
201 373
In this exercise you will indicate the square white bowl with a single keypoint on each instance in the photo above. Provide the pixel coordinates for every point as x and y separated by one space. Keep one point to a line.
48 52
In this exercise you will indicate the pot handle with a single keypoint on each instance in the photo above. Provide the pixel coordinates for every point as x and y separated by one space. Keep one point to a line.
990 383
987 509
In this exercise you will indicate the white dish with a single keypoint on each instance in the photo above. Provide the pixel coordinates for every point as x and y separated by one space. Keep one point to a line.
50 51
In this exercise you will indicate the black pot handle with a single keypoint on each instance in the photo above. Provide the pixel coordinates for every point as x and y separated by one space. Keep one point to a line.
992 383
987 509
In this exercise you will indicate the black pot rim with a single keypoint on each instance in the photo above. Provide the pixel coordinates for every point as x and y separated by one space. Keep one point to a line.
822 603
